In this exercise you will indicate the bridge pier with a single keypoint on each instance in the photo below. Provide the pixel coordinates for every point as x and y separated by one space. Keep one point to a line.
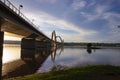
32 43
43 44
30 46
28 43
1 48
27 48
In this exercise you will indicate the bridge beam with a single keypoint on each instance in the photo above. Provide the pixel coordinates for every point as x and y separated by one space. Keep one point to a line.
1 47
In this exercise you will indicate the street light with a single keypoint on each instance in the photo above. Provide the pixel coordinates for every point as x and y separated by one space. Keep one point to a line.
20 7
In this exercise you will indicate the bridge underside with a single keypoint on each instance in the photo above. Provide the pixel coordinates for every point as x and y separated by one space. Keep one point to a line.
16 30
17 23
10 27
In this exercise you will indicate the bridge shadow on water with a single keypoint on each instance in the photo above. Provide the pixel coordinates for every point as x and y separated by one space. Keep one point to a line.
30 62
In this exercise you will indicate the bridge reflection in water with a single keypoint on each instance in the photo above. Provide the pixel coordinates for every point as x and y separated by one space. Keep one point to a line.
30 62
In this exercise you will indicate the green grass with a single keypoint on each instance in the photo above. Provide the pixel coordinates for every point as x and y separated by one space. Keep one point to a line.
98 72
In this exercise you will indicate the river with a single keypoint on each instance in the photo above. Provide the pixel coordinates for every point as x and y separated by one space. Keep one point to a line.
17 62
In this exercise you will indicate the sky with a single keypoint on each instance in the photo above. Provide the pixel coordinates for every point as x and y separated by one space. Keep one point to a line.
75 20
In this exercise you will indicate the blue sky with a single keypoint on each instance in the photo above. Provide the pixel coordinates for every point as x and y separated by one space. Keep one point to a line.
75 20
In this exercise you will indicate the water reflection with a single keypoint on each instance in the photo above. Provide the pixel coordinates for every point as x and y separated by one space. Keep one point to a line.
11 53
30 61
53 54
72 57
53 57
89 51
91 48
42 60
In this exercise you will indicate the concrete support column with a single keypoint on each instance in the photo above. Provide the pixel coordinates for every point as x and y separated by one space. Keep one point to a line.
28 49
28 43
1 48
1 51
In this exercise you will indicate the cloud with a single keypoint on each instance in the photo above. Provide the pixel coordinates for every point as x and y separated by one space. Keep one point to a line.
111 18
97 13
47 1
92 3
78 4
113 21
42 18
101 12
100 9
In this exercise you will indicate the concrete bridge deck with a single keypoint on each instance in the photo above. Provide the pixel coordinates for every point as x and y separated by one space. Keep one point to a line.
13 21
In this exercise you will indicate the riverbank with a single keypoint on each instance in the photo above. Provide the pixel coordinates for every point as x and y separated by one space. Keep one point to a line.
98 72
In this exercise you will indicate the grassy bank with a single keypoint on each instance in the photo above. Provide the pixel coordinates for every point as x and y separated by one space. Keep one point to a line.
98 72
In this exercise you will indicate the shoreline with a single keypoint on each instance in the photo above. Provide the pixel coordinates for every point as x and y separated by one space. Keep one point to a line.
90 72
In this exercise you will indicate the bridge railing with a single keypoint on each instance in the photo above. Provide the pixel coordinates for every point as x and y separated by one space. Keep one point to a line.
17 11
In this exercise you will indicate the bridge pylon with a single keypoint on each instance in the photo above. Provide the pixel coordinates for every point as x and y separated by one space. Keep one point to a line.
54 38
1 47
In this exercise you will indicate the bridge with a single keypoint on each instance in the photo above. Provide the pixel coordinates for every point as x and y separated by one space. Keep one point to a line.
15 22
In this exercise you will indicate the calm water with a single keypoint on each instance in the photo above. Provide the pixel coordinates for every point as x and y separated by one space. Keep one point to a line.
17 62
11 53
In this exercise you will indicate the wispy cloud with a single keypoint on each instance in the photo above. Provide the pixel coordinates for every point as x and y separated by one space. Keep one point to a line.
101 12
97 12
100 9
78 4
46 1
41 18
92 3
113 22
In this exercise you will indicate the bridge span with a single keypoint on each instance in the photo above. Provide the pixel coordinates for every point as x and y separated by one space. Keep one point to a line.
13 21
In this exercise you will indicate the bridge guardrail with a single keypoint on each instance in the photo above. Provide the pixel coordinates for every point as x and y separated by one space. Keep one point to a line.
17 11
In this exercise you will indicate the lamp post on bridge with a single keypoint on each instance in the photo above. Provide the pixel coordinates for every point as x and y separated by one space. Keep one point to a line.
20 7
